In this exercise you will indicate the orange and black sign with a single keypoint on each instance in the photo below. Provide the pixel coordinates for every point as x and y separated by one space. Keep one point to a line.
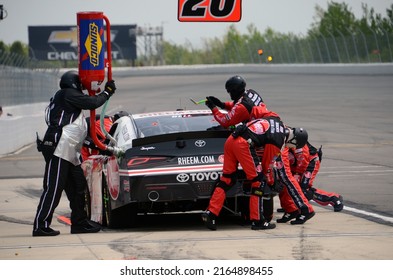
209 10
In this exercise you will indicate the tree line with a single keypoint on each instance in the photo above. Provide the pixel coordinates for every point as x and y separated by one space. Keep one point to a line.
335 36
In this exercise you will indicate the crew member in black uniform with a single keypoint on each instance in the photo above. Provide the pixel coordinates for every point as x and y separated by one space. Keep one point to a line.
61 148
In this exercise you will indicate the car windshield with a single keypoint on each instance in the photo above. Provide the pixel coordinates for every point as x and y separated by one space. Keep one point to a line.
163 123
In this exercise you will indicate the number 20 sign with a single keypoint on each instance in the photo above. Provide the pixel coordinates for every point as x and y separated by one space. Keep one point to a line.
209 10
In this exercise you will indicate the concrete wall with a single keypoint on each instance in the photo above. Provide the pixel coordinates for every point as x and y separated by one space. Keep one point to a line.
19 124
19 129
319 69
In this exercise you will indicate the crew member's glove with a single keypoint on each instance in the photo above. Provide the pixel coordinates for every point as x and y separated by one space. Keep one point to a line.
110 88
210 103
239 130
216 101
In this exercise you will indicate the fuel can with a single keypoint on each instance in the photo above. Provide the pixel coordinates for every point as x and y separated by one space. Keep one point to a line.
91 50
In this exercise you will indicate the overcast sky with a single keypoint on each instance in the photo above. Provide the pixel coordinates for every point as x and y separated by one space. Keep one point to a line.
283 16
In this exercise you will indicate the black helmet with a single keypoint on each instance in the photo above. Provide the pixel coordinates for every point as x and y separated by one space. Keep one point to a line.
299 139
70 79
235 86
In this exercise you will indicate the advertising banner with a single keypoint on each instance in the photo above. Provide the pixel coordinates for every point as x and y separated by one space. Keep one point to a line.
61 42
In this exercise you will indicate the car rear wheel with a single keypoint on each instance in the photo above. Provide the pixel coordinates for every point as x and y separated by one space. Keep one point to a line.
122 217
88 203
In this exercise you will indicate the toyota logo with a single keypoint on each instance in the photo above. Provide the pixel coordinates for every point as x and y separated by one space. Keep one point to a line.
200 143
182 177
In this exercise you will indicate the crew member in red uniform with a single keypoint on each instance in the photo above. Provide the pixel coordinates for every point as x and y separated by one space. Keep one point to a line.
305 164
247 105
240 149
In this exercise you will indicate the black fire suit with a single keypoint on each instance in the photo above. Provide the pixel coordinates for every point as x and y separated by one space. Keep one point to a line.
60 174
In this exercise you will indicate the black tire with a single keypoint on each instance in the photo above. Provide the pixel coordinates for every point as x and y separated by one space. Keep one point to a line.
268 208
267 204
244 208
122 217
88 203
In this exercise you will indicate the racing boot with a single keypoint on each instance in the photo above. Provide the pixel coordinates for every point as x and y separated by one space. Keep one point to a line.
287 217
209 219
302 218
338 203
262 225
45 232
85 227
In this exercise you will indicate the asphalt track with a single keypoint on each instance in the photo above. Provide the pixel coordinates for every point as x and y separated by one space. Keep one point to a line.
350 116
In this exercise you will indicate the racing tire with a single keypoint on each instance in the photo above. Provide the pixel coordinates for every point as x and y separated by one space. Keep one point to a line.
244 208
268 208
88 203
122 217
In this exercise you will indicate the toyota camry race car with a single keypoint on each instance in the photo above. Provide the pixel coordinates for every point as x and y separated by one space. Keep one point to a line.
171 163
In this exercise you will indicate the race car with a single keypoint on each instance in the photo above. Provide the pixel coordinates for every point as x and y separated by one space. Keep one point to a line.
171 163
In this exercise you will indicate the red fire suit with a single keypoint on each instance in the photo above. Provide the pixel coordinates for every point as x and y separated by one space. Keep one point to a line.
240 149
248 107
292 198
305 164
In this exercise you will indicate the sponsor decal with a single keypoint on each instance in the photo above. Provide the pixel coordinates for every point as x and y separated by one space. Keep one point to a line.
182 177
272 126
200 143
260 127
113 178
61 42
126 185
209 10
195 160
278 127
198 177
279 164
221 158
147 148
307 174
93 44
70 36
64 36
